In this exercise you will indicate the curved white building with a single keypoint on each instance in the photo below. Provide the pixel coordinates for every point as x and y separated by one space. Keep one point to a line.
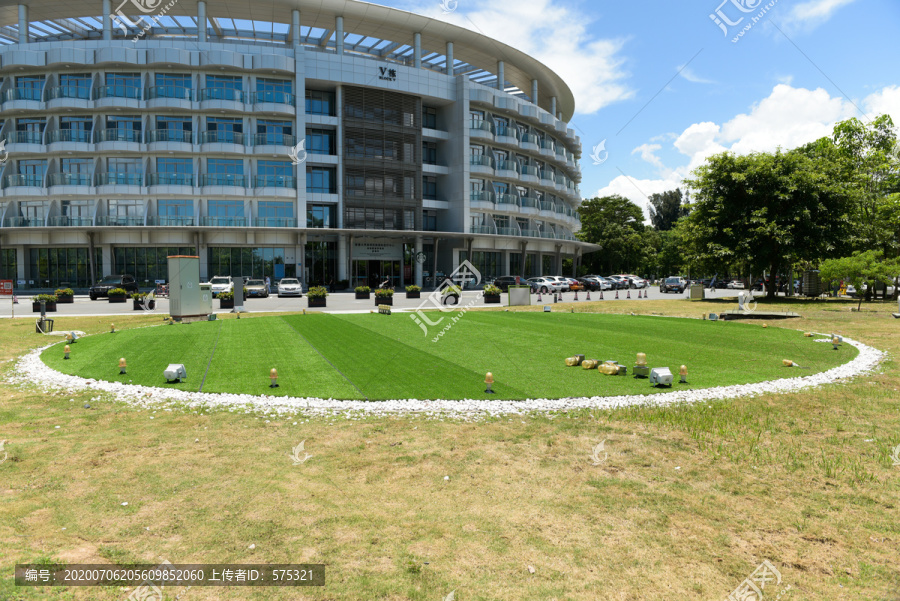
330 140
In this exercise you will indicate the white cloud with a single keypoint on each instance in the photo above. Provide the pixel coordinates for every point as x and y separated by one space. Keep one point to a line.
808 15
559 37
688 74
788 117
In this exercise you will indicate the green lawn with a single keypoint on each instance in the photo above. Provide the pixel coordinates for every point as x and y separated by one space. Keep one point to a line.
373 356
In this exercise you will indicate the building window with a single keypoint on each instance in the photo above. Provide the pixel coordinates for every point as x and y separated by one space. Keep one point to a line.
319 102
122 129
173 129
322 180
226 212
429 221
174 212
173 172
75 86
320 141
224 172
269 209
429 153
172 85
274 90
274 174
321 216
28 87
224 87
223 129
274 133
429 117
55 267
75 129
123 85
429 188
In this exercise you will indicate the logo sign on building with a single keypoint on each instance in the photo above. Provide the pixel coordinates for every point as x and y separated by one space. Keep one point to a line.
6 287
378 250
386 74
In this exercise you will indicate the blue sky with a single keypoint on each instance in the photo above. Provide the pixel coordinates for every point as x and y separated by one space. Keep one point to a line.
665 88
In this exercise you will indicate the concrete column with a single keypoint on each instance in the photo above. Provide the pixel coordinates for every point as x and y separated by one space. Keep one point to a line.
344 258
576 255
553 105
558 259
23 24
417 266
201 20
107 20
417 50
107 256
449 58
501 76
339 34
434 267
506 262
295 27
300 259
524 247
534 91
20 265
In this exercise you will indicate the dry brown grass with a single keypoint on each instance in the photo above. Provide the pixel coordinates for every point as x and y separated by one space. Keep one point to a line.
803 480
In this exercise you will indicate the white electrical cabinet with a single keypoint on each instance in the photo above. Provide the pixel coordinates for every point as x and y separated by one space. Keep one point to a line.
185 294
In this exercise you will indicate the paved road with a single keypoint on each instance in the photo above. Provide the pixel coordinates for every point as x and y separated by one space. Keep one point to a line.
340 302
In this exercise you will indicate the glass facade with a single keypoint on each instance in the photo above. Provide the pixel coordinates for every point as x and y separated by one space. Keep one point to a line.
321 216
147 264
249 262
8 264
61 267
321 263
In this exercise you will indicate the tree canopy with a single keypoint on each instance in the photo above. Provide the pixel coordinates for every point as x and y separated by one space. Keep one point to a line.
617 225
666 209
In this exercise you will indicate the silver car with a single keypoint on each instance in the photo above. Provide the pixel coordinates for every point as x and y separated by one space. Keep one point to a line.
289 287
546 285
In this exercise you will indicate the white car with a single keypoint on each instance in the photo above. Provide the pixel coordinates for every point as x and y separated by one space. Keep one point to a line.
546 285
289 287
564 282
221 283
735 285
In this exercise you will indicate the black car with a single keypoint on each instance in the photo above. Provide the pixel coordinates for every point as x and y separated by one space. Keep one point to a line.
670 284
109 282
505 281
589 284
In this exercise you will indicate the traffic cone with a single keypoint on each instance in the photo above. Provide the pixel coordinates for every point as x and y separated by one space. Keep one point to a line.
628 294
588 295
617 294
601 294
555 299
576 295
539 296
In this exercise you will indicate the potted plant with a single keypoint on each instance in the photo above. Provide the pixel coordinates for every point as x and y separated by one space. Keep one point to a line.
65 295
491 294
49 303
384 296
226 300
450 295
363 292
140 303
315 297
117 295
413 291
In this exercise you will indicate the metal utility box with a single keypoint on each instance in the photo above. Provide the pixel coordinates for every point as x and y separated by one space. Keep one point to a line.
185 294
697 292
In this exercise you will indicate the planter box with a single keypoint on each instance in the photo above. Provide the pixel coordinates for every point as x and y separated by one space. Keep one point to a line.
117 299
414 294
384 300
226 303
492 299
316 302
363 295
65 300
49 308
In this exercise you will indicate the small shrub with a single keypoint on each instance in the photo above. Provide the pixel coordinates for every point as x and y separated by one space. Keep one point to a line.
362 289
384 292
317 292
413 288
64 292
226 295
491 290
47 298
118 292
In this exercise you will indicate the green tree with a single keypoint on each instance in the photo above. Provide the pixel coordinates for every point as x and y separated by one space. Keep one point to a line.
766 210
861 268
666 209
617 225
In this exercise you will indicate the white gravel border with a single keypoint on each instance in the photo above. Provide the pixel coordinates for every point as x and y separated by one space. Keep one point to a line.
30 370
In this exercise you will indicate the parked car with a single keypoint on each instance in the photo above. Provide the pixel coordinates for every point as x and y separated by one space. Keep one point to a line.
620 282
221 283
289 287
109 282
545 285
505 281
590 283
672 285
564 282
735 285
257 288
636 281
575 285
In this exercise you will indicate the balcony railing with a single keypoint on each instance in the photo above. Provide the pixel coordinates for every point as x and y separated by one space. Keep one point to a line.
222 179
529 170
274 181
507 199
171 179
167 220
22 94
508 231
547 205
481 125
23 222
529 202
79 92
547 174
176 92
274 222
223 221
118 91
528 138
116 220
481 229
481 159
273 96
274 139
505 130
119 135
507 165
27 137
27 180
170 135
70 179
221 94
481 196
120 179
66 221
222 136
559 208
70 135
547 144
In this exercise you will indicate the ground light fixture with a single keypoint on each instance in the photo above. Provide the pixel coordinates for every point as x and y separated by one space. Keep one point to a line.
67 350
273 376
175 372
71 337
661 376
112 328
489 380
640 366
835 343
122 365
683 373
